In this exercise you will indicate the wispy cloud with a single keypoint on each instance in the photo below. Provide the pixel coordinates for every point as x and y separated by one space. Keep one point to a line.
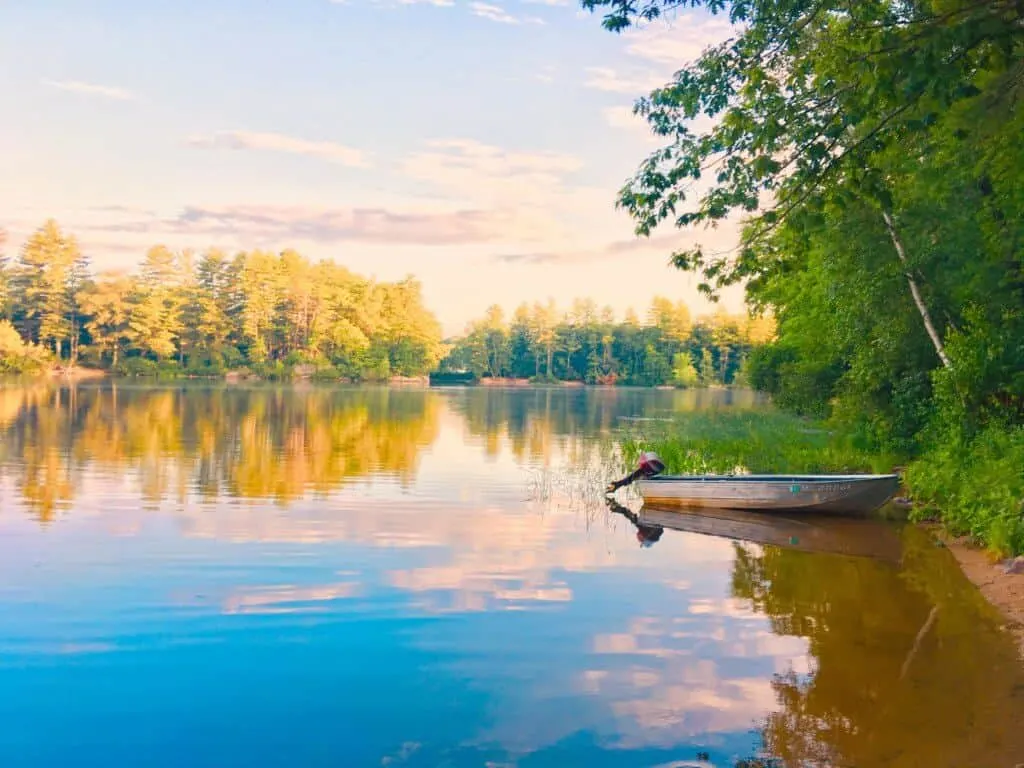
277 142
393 3
665 244
271 225
680 42
479 194
607 79
546 75
497 13
623 118
534 185
91 89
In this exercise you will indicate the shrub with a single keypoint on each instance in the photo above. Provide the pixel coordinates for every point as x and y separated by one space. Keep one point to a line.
975 486
18 357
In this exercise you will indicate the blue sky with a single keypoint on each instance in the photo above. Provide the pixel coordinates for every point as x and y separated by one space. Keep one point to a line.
477 145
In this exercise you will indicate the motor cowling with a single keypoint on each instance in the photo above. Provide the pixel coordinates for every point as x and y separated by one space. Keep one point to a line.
651 464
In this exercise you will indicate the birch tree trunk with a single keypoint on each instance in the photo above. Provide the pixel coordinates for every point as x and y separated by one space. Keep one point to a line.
922 308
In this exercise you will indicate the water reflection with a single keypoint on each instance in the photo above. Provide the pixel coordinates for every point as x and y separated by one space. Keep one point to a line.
905 663
277 443
277 576
284 442
910 665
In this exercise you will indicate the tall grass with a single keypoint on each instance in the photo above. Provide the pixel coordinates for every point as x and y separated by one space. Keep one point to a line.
738 442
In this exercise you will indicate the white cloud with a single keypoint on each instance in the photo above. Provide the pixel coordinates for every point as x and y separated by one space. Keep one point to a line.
277 142
462 164
678 43
271 225
623 118
435 3
534 187
546 75
714 240
497 13
464 192
607 79
473 170
91 89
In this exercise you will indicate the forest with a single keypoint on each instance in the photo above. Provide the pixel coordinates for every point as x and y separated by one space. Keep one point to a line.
588 345
208 313
872 154
203 314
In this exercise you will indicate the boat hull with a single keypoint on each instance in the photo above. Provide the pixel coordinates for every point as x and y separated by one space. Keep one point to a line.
836 494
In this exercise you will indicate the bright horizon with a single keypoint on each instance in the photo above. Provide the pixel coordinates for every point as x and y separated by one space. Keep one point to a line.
477 146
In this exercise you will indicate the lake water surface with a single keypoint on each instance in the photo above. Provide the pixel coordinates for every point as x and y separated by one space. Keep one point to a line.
288 576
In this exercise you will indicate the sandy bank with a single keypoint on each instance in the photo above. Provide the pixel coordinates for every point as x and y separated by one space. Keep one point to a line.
1004 590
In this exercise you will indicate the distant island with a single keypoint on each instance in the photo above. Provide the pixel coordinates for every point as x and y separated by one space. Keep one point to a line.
281 316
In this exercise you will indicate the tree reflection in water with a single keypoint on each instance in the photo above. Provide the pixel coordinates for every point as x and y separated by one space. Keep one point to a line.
268 442
282 442
910 665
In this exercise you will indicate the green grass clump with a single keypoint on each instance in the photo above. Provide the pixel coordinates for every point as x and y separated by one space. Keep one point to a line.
730 442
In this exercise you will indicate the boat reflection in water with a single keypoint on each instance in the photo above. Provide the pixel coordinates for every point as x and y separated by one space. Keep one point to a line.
825 534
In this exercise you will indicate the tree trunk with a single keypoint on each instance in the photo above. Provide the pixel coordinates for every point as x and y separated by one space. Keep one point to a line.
114 361
916 292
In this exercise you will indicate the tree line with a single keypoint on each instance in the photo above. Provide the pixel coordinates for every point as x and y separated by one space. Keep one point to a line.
873 150
209 312
586 344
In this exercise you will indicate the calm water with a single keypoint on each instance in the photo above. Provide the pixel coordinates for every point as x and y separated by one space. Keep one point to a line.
210 576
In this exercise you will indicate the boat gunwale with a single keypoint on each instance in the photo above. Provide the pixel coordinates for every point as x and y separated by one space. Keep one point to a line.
771 479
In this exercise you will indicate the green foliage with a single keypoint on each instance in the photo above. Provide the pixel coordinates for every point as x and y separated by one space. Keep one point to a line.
589 346
885 139
804 97
137 366
44 281
17 356
975 486
683 372
187 316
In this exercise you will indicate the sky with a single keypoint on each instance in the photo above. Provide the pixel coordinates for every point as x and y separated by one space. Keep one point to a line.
476 145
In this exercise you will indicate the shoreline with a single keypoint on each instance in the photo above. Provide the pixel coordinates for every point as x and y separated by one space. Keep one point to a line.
83 373
1004 591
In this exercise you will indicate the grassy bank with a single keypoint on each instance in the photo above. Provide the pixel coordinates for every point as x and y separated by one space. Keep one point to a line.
973 488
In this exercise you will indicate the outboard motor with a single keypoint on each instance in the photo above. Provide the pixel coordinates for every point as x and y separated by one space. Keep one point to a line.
650 464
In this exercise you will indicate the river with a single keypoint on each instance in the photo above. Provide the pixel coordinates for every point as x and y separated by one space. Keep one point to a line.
210 575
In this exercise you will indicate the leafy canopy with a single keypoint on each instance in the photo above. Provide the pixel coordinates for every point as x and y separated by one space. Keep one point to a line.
804 98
